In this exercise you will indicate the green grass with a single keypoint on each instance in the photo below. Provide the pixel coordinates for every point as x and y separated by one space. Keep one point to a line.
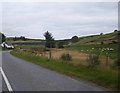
86 44
101 77
29 46
97 49
87 40
97 39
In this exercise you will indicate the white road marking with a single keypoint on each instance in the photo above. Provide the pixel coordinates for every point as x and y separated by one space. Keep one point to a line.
6 80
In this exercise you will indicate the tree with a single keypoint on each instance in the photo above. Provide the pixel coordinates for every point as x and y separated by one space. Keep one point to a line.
115 30
19 38
22 38
3 38
75 39
49 40
101 34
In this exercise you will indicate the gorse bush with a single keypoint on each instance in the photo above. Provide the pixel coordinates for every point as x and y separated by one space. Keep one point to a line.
66 57
93 60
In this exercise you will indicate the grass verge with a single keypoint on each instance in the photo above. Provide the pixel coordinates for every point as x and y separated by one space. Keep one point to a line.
104 78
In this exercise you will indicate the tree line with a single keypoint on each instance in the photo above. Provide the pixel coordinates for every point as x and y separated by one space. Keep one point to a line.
50 42
19 38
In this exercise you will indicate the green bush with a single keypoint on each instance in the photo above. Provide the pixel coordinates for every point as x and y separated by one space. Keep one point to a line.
60 45
66 57
93 60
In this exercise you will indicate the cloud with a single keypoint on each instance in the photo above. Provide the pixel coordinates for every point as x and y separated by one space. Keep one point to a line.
63 20
60 1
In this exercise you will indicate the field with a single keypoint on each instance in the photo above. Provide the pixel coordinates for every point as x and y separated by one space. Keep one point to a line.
110 50
80 53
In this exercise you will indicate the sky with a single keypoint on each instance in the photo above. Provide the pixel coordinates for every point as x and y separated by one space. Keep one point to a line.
62 19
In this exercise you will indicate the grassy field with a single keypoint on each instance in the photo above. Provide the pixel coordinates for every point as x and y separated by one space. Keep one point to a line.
99 49
78 57
106 78
28 46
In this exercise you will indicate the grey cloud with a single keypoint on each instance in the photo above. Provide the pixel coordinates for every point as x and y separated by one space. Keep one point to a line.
62 19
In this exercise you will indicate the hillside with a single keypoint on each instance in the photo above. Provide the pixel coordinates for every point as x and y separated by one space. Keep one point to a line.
109 38
27 41
105 45
98 39
10 39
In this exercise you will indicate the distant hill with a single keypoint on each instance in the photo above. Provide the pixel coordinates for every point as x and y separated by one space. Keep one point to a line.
93 39
11 39
99 39
27 41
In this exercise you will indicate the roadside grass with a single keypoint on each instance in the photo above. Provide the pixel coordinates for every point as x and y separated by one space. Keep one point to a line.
106 78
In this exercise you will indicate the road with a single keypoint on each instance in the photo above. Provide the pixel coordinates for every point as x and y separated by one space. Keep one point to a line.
26 76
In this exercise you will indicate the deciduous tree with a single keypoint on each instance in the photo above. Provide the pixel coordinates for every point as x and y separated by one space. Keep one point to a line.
75 39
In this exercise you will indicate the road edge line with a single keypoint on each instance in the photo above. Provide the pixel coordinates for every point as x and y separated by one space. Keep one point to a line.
6 80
